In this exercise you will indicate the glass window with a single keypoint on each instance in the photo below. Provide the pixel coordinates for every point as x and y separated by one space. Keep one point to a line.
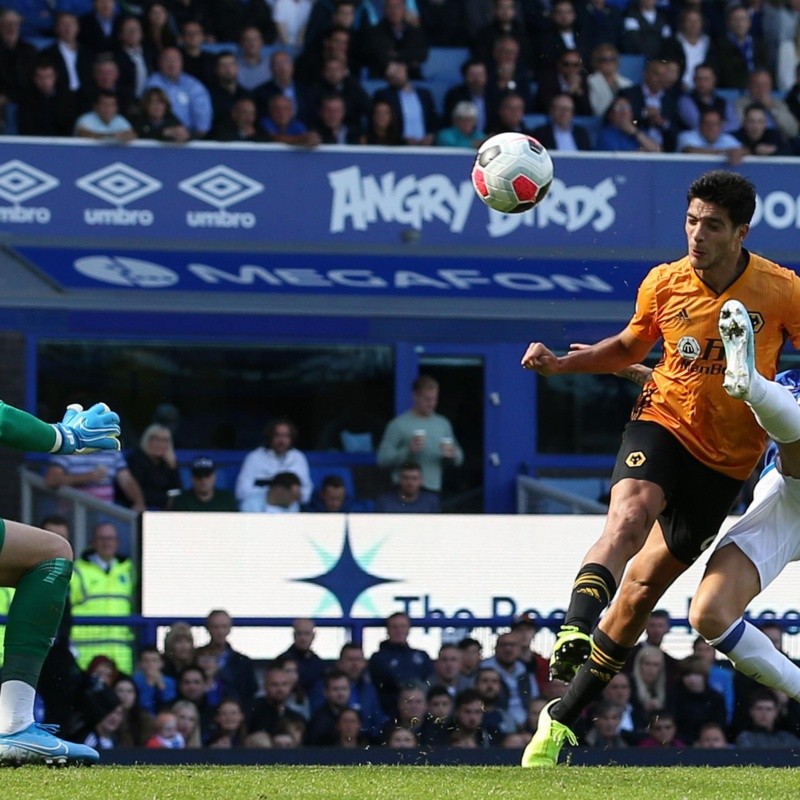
224 395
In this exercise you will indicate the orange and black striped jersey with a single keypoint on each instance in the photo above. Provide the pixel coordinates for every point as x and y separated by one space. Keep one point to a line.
684 393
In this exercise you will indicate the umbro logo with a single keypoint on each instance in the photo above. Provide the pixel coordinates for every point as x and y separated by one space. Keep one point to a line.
221 187
20 182
118 184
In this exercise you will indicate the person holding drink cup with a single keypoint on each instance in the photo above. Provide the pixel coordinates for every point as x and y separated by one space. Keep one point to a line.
422 436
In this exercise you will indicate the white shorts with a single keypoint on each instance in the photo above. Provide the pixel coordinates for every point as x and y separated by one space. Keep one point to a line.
768 533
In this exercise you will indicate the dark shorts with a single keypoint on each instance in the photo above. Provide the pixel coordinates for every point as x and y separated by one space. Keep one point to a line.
698 497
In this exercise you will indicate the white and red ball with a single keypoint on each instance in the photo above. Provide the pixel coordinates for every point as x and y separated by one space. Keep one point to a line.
512 172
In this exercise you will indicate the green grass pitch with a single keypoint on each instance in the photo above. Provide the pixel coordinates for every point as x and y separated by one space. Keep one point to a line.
399 783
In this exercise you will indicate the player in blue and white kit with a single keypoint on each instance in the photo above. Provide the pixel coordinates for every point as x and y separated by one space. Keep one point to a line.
767 536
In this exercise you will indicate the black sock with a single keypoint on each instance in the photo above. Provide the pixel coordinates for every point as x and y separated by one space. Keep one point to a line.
606 660
592 591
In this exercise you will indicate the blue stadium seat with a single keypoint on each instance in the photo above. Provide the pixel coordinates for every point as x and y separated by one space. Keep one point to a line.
731 95
592 125
371 85
532 121
438 89
215 48
631 66
444 64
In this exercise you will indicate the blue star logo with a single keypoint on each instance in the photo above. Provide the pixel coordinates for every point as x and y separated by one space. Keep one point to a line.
347 577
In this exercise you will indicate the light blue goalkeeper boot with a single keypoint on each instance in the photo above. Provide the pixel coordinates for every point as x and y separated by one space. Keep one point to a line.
736 332
38 744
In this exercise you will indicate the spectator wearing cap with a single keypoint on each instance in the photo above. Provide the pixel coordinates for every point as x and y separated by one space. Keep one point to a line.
281 497
204 494
526 627
464 131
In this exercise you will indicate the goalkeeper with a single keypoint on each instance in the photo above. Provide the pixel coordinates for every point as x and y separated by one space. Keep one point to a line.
38 564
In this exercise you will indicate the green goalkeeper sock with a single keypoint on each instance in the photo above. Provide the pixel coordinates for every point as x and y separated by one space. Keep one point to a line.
33 619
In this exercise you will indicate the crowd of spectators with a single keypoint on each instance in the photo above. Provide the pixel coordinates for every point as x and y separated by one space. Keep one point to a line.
717 77
190 694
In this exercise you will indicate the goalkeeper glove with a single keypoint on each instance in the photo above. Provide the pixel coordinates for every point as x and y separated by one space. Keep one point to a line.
80 431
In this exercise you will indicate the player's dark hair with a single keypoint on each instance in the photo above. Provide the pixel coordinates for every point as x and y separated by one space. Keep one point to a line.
733 192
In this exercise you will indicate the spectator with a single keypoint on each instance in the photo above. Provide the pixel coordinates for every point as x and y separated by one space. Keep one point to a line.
283 81
332 125
662 732
230 729
339 42
525 627
654 109
720 675
383 127
291 17
44 109
439 705
560 133
270 709
204 494
788 63
178 649
331 498
710 139
321 730
207 662
104 734
413 106
762 732
99 27
604 731
649 681
409 497
96 474
396 663
154 465
394 39
759 139
618 691
694 701
225 90
555 39
188 718
236 671
197 63
504 22
190 100
155 690
348 730
712 736
281 497
192 686
568 77
138 725
468 721
243 125
363 696
508 74
402 738
520 685
464 131
619 132
447 671
422 435
471 650
166 736
647 29
473 88
738 52
299 700
182 10
155 119
497 720
511 115
160 31
282 126
600 23
760 90
335 79
253 65
605 82
691 47
17 59
705 95
658 626
103 584
325 14
279 455
311 667
105 78
134 61
410 712
72 61
232 17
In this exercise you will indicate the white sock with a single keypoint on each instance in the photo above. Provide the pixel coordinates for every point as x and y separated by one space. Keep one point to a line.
775 409
755 655
16 706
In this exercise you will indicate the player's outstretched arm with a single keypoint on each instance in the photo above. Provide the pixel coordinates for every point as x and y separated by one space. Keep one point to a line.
94 429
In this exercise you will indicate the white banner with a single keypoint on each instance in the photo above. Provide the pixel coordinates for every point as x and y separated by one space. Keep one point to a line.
327 565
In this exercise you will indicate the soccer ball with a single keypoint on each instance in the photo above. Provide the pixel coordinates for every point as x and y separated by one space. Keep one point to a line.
512 172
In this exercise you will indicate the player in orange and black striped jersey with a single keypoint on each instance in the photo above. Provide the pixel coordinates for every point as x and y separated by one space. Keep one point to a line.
687 449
